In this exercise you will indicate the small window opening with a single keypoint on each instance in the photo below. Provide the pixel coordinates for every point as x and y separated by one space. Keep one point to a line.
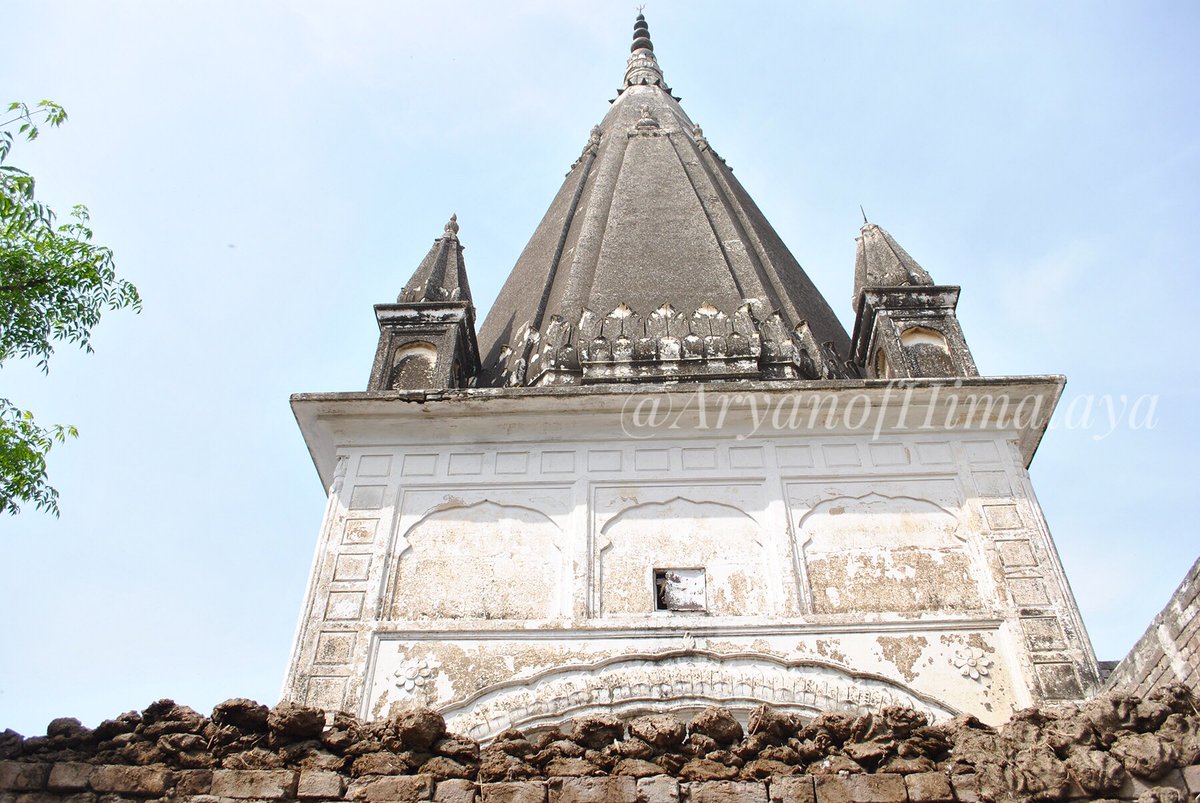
679 590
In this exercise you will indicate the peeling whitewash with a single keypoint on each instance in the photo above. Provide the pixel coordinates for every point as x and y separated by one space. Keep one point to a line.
500 563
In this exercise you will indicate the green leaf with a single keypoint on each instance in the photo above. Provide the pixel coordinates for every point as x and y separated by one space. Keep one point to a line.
55 284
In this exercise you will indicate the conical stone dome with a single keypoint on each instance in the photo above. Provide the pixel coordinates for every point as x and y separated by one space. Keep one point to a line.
653 263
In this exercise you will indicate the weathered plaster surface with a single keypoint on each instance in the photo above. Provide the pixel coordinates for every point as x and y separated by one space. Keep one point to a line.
500 567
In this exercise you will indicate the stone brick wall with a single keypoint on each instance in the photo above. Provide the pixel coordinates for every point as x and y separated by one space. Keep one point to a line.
1115 746
1169 651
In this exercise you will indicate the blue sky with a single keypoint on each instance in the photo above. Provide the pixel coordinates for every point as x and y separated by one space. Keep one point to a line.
265 172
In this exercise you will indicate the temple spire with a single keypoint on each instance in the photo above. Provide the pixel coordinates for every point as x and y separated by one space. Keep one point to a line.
653 263
643 67
427 338
906 325
881 262
442 275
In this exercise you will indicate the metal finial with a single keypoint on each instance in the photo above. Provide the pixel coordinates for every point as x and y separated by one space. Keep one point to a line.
641 34
452 226
643 69
864 214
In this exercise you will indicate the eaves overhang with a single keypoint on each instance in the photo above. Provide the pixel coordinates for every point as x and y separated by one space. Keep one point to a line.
1019 407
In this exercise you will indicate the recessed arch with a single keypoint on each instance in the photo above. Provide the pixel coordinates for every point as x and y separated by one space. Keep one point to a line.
483 560
875 553
413 366
681 533
923 335
883 369
927 352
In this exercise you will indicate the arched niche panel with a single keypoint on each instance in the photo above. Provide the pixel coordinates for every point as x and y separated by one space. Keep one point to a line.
885 554
479 561
927 352
680 533
413 366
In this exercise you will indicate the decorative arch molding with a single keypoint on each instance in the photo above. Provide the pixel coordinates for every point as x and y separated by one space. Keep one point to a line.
422 347
440 569
413 366
874 502
498 511
646 509
679 532
927 352
680 680
879 553
912 336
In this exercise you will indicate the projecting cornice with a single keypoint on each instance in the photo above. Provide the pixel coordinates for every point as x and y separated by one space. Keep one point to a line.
1017 406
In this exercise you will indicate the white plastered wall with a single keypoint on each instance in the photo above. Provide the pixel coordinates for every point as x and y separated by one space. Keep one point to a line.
501 568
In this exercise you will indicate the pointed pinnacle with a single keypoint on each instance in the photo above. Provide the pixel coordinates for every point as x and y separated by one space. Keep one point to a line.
643 68
864 214
641 34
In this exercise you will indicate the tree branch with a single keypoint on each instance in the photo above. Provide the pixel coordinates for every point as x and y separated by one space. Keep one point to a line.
9 288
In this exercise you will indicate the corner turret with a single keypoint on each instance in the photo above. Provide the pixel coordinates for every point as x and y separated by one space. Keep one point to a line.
427 338
906 325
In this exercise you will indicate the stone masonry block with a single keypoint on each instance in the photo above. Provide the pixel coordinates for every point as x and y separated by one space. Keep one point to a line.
254 784
658 789
1191 778
1134 787
792 789
190 783
78 797
455 790
392 788
883 788
726 792
54 797
131 780
614 789
18 777
69 776
928 787
966 787
514 792
320 783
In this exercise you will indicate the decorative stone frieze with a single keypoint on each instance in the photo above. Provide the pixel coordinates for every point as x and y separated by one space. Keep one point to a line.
624 345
